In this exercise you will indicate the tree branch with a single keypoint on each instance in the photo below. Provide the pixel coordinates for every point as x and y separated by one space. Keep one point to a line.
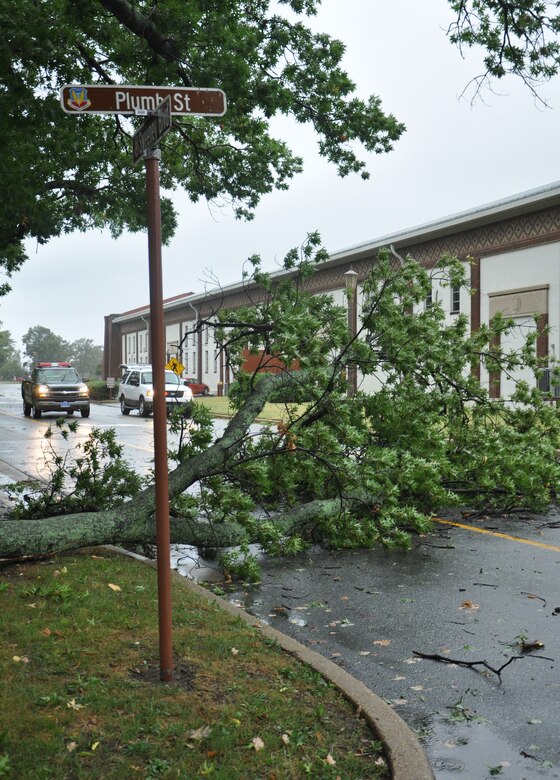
470 664
143 27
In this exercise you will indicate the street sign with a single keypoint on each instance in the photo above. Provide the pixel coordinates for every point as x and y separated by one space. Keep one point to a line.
139 100
157 124
157 104
176 366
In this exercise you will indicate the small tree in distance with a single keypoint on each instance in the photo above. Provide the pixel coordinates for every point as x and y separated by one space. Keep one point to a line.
86 357
10 359
41 344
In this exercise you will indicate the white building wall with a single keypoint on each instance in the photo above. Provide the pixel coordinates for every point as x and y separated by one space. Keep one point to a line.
524 269
172 339
209 366
187 341
444 295
143 346
440 293
130 352
369 383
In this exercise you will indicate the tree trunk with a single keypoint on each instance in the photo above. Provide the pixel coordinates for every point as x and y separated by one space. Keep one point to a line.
133 522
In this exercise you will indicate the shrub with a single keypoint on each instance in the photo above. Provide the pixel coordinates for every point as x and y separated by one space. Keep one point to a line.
98 390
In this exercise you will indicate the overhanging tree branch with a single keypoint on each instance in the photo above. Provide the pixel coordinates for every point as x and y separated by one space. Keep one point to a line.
143 27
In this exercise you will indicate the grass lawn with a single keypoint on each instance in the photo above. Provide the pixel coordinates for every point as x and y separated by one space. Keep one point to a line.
220 407
81 697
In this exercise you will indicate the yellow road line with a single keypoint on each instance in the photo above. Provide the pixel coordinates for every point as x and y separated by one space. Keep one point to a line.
499 535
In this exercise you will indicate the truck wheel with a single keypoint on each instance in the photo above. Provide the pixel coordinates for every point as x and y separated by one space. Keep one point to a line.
36 412
124 408
85 412
206 392
142 409
27 409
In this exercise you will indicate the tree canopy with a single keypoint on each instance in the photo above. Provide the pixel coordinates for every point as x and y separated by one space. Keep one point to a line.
516 37
72 173
41 344
10 359
86 357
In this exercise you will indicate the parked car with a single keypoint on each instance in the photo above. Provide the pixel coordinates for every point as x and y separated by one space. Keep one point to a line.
197 388
136 391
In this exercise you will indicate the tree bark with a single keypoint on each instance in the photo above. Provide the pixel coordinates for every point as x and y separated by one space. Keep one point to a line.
133 522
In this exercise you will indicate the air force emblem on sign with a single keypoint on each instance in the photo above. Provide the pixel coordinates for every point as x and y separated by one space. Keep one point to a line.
78 100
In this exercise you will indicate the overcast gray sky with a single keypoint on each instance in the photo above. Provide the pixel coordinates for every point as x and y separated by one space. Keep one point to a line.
455 155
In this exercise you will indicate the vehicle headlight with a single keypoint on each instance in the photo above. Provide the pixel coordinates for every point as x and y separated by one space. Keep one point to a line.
43 390
83 390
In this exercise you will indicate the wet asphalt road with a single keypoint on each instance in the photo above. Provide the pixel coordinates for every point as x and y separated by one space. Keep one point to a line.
460 594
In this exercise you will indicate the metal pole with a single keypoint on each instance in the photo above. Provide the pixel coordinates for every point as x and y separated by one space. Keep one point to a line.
152 158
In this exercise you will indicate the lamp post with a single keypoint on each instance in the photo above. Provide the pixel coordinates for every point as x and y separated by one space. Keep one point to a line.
351 278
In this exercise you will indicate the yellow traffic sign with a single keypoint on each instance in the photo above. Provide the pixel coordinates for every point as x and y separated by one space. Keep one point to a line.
175 366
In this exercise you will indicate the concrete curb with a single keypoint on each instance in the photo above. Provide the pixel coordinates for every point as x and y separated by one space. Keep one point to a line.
407 758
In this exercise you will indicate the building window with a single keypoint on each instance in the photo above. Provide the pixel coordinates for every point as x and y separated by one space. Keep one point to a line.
206 334
429 300
205 361
193 363
215 361
455 300
131 348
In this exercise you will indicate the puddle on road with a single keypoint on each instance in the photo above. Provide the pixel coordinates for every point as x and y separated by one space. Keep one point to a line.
187 561
474 751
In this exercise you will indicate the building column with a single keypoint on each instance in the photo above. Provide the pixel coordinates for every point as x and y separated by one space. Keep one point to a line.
475 306
351 278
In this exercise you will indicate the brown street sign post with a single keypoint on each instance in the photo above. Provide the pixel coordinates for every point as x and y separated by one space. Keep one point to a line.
158 104
144 145
140 100
157 334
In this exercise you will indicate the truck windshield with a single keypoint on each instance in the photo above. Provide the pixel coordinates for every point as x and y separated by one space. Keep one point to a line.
63 375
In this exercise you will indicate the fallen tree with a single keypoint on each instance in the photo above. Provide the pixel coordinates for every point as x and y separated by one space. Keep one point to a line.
341 470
